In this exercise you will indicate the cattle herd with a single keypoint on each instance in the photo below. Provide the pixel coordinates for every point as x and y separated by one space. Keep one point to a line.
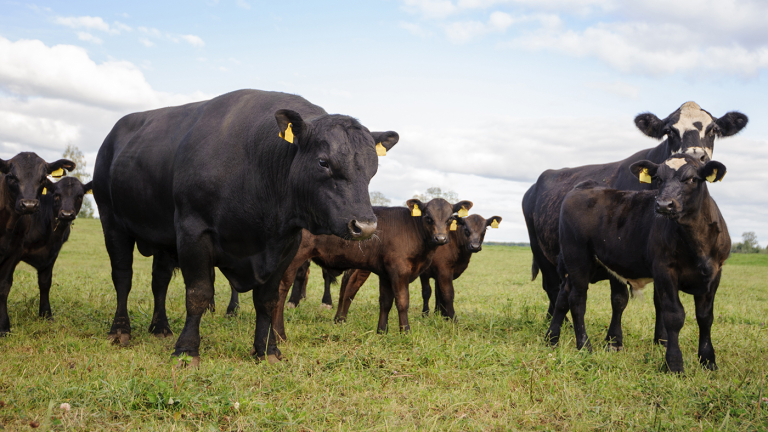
258 184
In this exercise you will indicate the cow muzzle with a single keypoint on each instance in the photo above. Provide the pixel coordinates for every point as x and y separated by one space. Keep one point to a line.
440 239
67 215
667 208
361 230
28 206
474 247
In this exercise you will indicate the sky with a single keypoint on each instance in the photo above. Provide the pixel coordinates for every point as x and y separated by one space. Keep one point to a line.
485 94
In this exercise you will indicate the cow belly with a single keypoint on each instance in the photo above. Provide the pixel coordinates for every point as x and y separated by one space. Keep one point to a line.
636 283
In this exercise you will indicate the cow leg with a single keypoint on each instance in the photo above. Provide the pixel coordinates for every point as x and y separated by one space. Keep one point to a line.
196 261
5 289
674 318
426 293
234 301
120 249
386 297
44 278
162 272
619 299
278 320
660 332
350 285
560 311
299 290
399 287
444 295
704 317
327 300
577 301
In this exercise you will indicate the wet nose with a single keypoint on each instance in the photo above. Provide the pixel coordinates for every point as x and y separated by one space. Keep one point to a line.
475 247
664 206
29 206
440 239
67 215
361 230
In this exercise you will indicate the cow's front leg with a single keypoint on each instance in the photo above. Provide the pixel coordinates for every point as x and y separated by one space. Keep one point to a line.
674 318
704 317
386 298
44 279
445 293
402 301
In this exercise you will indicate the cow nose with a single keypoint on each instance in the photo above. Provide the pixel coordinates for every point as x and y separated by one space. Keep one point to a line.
361 230
664 206
66 215
440 239
475 247
29 206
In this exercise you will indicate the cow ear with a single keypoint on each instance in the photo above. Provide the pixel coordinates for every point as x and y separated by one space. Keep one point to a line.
60 167
713 171
4 166
650 125
387 139
465 205
88 187
495 221
415 206
291 125
731 123
642 169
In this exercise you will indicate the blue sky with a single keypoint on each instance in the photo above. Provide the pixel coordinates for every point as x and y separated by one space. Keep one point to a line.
485 94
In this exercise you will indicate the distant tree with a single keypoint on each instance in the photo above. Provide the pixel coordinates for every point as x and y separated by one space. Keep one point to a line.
75 155
748 243
436 192
378 199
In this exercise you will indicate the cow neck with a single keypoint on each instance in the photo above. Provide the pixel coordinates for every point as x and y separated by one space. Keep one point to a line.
461 253
8 213
429 247
660 153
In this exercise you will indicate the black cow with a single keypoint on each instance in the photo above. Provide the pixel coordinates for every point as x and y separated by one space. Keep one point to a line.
690 130
229 182
24 179
674 237
50 229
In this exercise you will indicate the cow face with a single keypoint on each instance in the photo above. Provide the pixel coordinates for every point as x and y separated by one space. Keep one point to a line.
68 195
334 162
681 180
436 217
26 175
471 230
691 130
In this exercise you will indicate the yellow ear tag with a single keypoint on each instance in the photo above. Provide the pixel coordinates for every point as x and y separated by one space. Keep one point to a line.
454 225
90 192
380 150
711 178
415 212
288 136
644 177
45 191
495 224
463 212
59 173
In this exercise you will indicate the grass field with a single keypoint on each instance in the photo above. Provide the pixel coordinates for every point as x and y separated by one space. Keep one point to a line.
489 371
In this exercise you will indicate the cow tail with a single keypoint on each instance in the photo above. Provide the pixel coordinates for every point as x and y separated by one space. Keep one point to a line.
534 270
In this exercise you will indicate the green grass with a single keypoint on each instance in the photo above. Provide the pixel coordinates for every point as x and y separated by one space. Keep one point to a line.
490 371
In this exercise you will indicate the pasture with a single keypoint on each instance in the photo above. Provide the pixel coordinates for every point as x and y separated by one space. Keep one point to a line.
489 371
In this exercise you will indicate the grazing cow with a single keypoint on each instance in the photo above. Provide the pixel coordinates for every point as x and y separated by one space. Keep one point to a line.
689 130
49 231
402 247
447 265
24 180
674 237
229 183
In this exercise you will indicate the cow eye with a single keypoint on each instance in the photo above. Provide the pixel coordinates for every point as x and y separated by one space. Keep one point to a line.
323 163
429 220
690 180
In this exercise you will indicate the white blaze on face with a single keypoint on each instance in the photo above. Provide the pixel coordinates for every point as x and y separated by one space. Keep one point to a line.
691 113
675 163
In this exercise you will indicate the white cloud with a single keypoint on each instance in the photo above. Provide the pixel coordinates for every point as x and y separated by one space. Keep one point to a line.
146 42
88 22
498 22
617 88
243 4
151 31
193 40
87 37
415 29
122 27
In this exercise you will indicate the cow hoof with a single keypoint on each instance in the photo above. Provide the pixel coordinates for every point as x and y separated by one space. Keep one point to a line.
4 333
232 313
273 359
194 363
340 320
163 335
614 348
290 305
123 339
712 366
326 306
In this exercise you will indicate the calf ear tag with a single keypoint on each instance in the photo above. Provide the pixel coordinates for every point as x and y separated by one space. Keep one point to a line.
90 192
495 224
463 212
288 135
59 173
45 191
711 178
415 211
454 225
380 150
644 177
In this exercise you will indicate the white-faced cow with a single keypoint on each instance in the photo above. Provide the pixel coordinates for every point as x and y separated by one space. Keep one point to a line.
22 185
674 237
229 182
689 130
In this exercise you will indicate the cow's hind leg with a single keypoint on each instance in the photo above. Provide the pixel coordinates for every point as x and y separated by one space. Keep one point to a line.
162 273
386 298
234 301
351 283
120 249
619 299
426 293
44 278
299 290
329 277
560 311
